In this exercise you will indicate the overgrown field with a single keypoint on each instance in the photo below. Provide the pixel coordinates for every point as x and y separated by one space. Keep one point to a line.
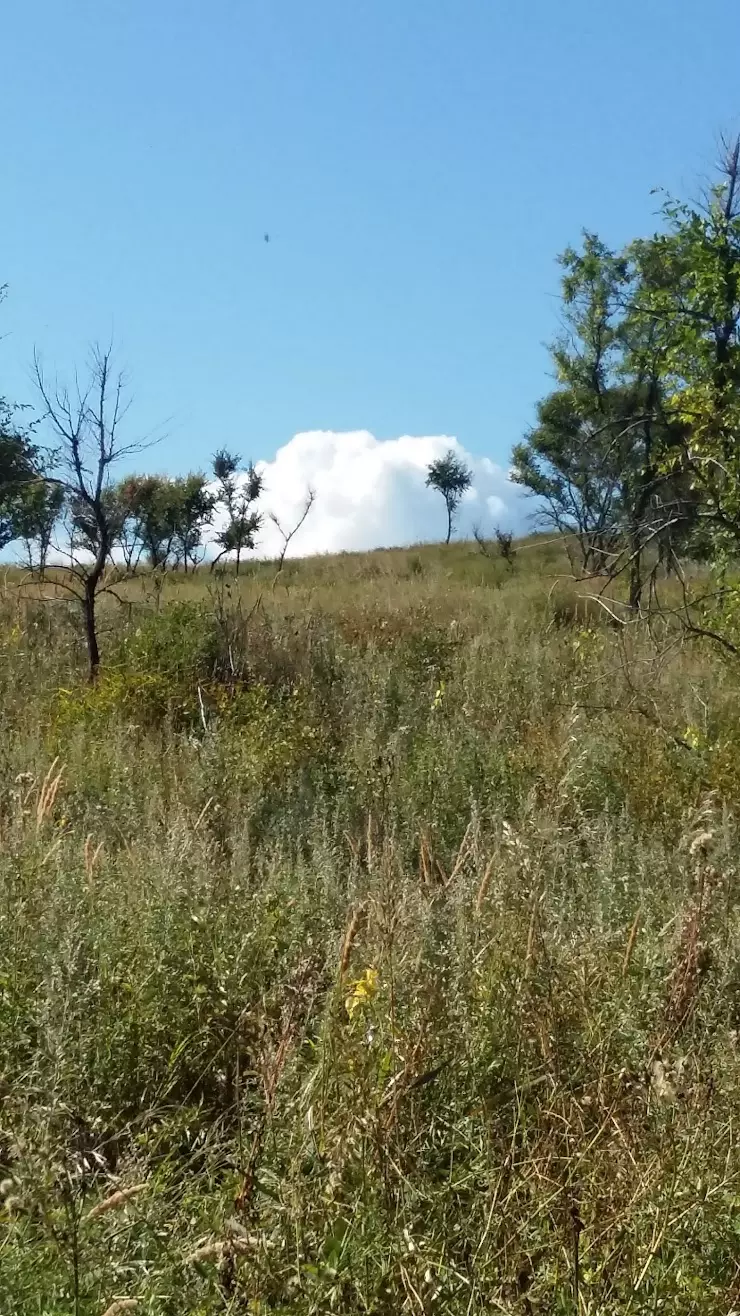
368 944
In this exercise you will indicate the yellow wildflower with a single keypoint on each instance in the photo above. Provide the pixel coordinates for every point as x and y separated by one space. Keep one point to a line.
363 991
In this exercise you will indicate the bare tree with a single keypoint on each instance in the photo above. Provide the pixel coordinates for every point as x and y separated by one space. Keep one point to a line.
86 422
504 549
288 535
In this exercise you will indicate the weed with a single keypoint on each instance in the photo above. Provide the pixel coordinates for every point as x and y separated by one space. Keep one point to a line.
367 946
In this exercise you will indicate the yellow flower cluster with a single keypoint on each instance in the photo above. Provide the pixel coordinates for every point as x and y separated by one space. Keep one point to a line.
362 992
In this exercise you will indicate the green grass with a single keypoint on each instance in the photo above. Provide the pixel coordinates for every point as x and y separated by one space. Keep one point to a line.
379 924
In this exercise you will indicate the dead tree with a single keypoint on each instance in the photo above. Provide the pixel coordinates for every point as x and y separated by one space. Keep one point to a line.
504 550
288 535
85 422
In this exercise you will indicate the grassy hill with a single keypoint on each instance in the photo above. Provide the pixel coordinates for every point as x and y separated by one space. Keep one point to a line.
368 943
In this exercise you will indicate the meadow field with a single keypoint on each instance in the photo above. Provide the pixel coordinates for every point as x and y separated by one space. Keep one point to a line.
369 943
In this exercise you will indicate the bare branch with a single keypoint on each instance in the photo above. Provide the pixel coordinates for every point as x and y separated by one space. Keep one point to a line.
86 430
288 535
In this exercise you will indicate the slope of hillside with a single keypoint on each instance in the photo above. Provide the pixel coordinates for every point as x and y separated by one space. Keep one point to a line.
368 943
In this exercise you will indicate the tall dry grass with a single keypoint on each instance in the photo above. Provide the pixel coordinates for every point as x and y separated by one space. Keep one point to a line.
375 950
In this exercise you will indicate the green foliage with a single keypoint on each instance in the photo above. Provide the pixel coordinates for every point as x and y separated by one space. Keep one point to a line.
453 807
18 468
158 671
37 513
163 519
374 948
284 990
636 451
18 473
170 672
182 642
238 492
602 460
449 476
689 281
570 462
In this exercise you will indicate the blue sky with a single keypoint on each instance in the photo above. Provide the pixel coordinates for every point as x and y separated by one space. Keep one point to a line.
417 164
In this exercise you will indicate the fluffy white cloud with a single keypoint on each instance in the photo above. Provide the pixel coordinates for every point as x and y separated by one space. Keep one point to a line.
371 493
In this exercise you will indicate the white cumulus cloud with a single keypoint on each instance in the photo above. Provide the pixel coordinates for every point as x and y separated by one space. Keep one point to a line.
371 493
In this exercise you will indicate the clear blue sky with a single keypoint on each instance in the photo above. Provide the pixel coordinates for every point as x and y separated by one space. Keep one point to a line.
417 165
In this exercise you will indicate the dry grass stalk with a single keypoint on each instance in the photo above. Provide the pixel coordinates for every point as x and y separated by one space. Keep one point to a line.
531 934
120 1305
415 1300
91 855
484 885
701 844
431 869
686 978
203 813
243 1246
272 1066
369 849
466 846
208 1252
55 845
425 862
631 942
117 1199
214 1251
350 936
48 793
354 848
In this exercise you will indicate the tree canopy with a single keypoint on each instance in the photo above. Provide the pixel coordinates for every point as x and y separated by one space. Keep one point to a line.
451 477
635 454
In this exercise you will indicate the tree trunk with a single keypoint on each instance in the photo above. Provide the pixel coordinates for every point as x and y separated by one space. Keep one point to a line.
91 633
238 556
635 566
665 555
449 524
635 578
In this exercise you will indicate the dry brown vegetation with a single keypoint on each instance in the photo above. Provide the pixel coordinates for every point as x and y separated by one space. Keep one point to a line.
368 943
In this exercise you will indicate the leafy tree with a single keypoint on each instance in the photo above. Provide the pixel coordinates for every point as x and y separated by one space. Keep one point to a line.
237 493
19 469
687 281
18 472
451 477
567 463
30 500
150 512
195 508
602 458
36 516
164 519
